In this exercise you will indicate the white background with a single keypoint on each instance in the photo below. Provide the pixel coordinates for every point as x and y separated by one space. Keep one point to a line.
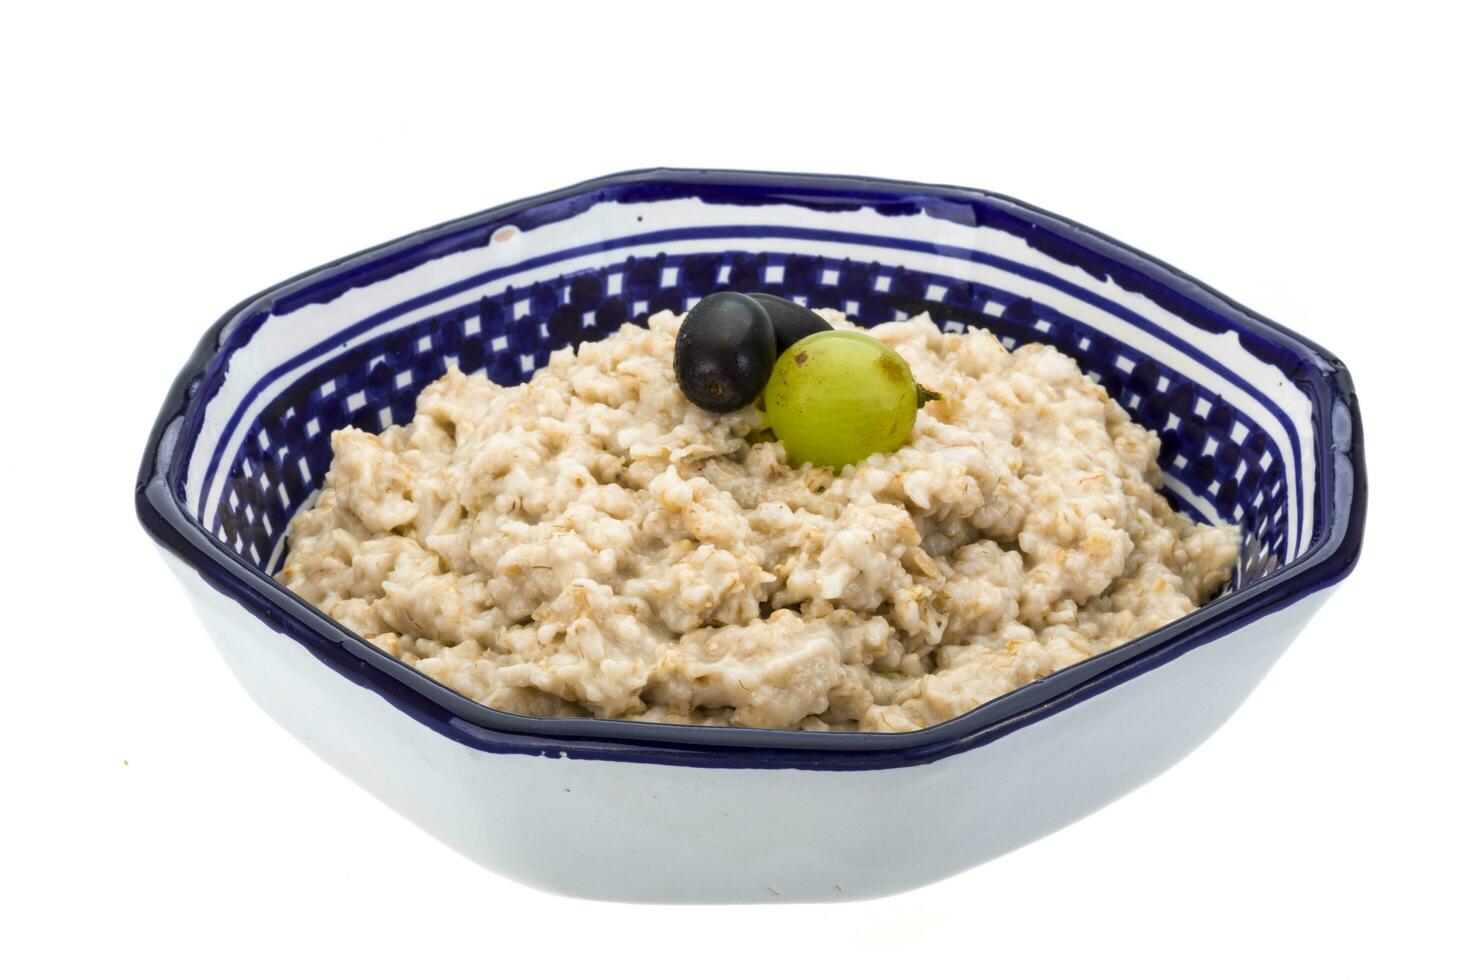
162 163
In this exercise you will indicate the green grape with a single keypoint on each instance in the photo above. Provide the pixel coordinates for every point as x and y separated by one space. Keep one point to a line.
838 396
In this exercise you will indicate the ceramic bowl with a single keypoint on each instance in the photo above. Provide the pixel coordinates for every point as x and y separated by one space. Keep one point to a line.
1259 427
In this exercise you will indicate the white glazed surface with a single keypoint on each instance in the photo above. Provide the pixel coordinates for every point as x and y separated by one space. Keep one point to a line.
656 833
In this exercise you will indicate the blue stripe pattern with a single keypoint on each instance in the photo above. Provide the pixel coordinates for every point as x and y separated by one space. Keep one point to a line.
673 296
1219 453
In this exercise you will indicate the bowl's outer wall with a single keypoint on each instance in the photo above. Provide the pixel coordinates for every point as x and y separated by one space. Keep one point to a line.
1339 455
671 833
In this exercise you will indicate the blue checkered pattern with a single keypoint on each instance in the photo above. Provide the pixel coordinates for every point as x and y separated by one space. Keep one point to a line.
1218 453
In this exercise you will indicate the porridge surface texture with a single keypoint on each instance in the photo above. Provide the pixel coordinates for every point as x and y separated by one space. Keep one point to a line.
590 543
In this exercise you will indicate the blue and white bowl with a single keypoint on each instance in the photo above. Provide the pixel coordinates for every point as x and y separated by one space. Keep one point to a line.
1259 426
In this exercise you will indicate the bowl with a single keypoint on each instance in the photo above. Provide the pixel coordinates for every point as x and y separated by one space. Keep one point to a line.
1259 427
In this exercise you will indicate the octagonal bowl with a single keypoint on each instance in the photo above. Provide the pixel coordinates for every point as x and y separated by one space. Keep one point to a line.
1259 427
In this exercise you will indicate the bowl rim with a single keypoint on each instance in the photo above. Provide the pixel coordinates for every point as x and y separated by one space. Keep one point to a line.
1338 445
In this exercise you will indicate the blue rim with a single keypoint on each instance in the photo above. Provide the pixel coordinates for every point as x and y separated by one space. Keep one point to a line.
1341 490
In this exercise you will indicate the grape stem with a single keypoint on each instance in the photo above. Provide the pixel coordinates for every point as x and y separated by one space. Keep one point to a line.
927 395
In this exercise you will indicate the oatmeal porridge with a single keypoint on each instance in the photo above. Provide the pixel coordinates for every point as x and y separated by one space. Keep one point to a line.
591 543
